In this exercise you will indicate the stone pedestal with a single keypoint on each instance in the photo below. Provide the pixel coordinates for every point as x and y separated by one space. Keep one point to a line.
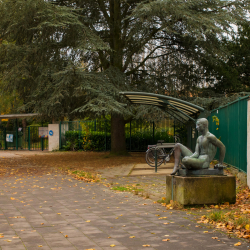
201 190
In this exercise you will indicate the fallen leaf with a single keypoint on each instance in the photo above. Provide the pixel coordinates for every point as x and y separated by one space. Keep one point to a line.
112 245
146 245
87 220
237 244
205 232
40 245
214 238
166 223
247 227
42 223
59 213
131 237
1 236
166 240
66 236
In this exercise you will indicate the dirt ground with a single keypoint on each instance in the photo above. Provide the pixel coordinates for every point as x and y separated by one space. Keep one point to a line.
38 162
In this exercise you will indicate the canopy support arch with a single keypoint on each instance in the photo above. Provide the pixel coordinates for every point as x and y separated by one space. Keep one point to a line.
181 110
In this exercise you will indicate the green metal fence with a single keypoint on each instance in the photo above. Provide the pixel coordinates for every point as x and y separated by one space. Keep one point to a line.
232 131
96 135
19 138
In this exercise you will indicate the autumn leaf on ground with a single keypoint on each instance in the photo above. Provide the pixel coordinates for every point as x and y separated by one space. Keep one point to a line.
113 245
40 245
146 245
237 244
87 220
166 240
131 237
214 238
66 236
205 232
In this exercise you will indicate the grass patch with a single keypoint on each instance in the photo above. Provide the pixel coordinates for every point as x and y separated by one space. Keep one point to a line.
133 189
122 189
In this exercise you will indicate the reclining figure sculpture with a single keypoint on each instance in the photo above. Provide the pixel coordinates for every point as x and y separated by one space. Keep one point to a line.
205 150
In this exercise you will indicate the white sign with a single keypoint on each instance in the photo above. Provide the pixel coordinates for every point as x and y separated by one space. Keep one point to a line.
43 132
9 137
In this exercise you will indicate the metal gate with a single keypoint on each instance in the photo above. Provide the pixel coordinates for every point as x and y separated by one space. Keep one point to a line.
20 138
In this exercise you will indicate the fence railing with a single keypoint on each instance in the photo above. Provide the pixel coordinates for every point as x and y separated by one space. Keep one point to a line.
19 138
96 135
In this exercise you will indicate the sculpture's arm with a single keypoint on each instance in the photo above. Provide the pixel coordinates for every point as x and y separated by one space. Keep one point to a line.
220 145
196 153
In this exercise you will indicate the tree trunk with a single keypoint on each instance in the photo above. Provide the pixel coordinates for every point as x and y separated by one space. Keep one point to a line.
118 141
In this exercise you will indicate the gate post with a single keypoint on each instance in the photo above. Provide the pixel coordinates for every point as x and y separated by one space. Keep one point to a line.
28 138
16 137
5 142
42 143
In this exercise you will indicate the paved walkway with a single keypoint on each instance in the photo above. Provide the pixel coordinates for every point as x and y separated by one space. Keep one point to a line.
54 211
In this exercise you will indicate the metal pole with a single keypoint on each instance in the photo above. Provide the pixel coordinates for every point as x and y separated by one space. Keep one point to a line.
79 136
60 136
153 132
16 135
155 160
105 135
29 138
130 136
42 143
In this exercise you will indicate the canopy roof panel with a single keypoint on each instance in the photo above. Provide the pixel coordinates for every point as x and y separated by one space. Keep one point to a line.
16 116
179 109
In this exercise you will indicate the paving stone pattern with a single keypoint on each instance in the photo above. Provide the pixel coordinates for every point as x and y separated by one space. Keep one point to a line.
57 212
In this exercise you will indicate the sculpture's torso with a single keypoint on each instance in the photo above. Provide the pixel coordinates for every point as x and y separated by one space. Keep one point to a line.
206 148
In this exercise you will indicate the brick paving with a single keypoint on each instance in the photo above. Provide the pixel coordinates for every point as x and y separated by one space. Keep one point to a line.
54 211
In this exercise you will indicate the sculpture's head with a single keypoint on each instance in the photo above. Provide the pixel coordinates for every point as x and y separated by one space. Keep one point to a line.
201 124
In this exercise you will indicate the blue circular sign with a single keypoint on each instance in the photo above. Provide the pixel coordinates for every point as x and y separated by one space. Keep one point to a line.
50 132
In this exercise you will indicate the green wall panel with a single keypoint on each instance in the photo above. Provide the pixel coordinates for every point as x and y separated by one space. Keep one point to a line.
232 131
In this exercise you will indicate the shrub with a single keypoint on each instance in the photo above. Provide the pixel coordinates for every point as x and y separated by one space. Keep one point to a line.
98 141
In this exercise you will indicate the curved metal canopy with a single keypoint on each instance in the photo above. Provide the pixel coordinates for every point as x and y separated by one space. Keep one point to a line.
179 109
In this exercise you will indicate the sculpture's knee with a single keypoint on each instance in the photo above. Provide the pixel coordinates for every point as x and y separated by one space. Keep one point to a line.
185 160
177 145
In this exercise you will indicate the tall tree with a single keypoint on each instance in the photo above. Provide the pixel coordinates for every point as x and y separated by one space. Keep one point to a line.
233 71
92 49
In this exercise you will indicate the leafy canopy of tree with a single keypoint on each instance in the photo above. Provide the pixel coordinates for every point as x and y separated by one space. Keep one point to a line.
233 72
63 56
